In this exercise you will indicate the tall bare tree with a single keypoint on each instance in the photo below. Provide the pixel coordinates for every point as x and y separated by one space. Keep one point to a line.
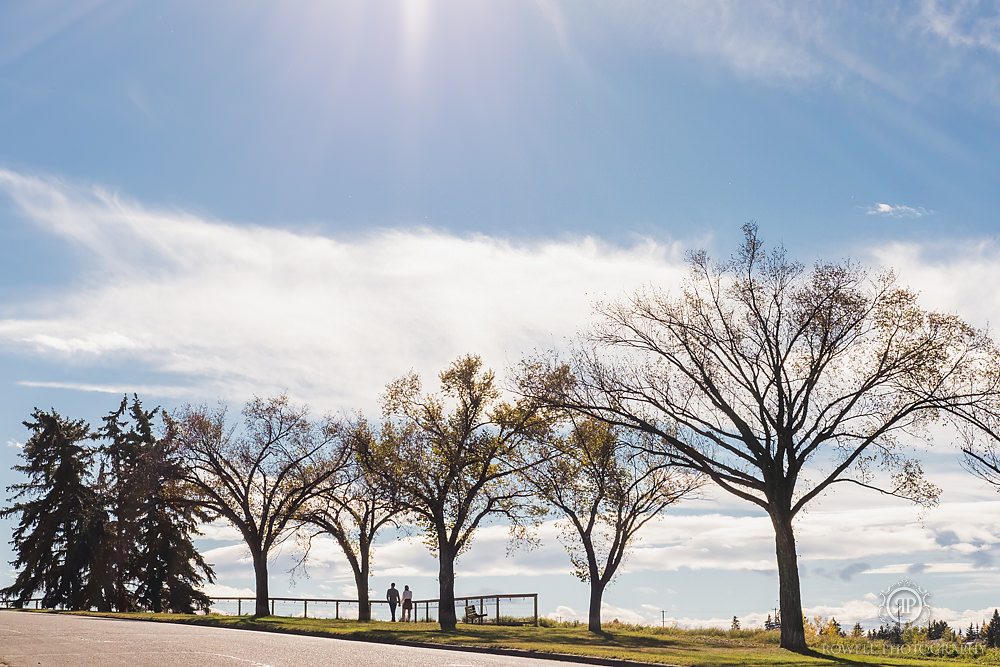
606 485
259 474
778 381
353 509
451 460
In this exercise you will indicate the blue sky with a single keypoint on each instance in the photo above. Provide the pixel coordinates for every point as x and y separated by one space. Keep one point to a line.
203 201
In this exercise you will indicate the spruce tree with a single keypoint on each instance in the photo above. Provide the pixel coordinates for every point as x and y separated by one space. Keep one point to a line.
169 569
121 485
992 630
156 565
60 515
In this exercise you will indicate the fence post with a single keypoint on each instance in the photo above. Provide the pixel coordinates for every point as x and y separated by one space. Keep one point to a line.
498 611
272 606
239 606
305 609
536 609
338 610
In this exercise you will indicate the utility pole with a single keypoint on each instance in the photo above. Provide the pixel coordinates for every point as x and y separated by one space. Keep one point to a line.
663 618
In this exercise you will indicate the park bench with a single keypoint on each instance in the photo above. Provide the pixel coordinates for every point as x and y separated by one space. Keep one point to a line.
471 615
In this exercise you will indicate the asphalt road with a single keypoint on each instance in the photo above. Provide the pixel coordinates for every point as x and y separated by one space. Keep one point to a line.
55 640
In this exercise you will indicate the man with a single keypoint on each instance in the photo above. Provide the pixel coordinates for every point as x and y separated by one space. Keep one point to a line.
407 604
392 595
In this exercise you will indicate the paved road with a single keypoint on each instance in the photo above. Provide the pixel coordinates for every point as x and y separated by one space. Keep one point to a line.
56 640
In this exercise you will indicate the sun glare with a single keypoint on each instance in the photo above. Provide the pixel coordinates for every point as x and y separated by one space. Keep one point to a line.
416 19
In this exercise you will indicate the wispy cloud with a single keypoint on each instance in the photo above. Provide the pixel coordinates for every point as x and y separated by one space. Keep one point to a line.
969 25
897 211
905 49
769 40
165 391
229 311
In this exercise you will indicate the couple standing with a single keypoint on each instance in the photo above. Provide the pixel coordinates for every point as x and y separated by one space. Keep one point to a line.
392 595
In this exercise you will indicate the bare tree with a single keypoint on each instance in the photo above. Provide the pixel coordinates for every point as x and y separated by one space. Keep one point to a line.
606 485
453 466
354 509
777 382
257 475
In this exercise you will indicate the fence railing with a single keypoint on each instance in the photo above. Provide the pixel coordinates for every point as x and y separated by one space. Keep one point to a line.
488 606
9 604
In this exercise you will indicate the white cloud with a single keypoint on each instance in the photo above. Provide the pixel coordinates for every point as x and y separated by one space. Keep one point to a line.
221 531
220 590
229 311
611 613
163 391
962 24
15 443
950 276
897 211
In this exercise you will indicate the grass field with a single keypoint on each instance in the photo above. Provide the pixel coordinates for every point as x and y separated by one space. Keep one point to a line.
665 646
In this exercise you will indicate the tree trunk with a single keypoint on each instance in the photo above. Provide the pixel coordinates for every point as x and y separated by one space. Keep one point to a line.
793 636
446 581
260 573
596 596
361 581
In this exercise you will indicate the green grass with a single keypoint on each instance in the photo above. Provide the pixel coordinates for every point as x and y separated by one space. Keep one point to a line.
670 646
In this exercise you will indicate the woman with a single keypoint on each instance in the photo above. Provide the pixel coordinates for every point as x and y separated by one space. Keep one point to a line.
407 603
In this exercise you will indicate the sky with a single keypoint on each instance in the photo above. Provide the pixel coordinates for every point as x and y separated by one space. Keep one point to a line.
210 201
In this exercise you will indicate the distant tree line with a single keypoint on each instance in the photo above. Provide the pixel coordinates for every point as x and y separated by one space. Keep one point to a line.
771 380
986 633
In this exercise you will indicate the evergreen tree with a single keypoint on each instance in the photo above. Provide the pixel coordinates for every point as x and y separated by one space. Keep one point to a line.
936 629
123 489
992 630
857 630
156 567
169 569
60 518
